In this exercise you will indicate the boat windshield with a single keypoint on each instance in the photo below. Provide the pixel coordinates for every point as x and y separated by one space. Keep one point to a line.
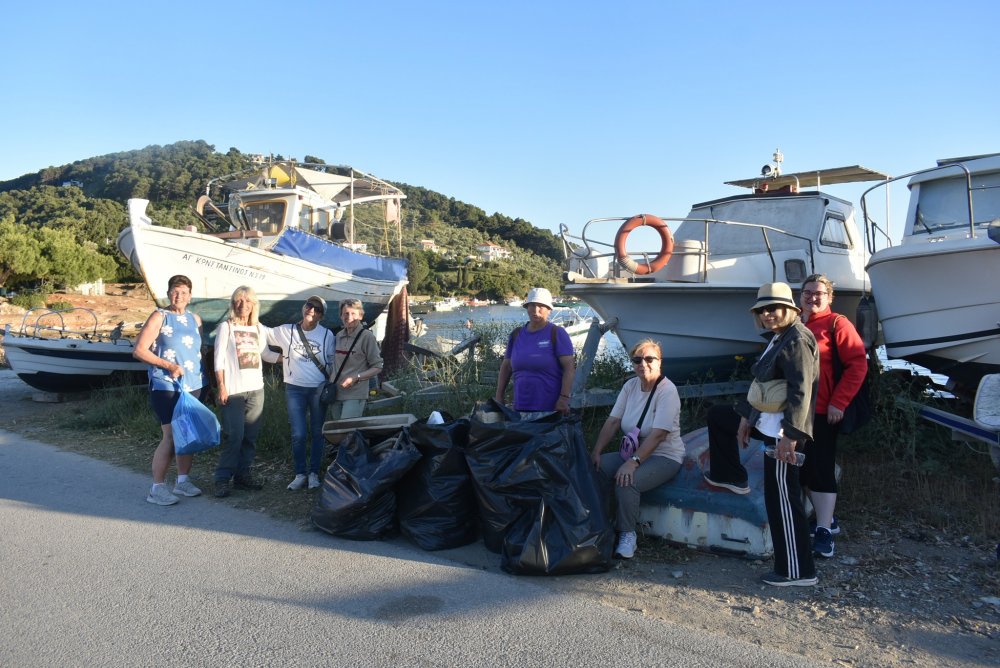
268 217
944 204
801 217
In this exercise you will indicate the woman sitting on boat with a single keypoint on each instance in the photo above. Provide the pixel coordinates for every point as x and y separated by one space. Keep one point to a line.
357 360
784 423
307 351
539 356
837 338
170 343
648 411
240 345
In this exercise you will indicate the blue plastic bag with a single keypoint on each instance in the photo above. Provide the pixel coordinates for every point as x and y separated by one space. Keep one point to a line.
194 425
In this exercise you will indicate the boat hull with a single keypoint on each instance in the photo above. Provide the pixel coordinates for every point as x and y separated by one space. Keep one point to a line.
72 365
217 267
706 331
939 307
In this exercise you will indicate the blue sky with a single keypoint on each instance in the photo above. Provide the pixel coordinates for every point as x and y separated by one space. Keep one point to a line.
555 112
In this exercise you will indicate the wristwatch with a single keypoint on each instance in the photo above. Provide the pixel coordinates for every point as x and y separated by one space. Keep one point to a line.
635 458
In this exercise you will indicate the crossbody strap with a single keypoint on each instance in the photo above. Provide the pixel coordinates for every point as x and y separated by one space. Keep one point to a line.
348 355
312 355
648 401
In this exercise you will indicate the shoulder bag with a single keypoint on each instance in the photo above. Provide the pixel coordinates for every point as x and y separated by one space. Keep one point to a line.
630 441
859 411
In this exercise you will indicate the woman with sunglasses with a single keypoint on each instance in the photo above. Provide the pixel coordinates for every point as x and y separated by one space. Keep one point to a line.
306 346
790 355
835 337
649 398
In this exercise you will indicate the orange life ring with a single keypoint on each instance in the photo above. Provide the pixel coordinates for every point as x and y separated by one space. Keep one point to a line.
666 244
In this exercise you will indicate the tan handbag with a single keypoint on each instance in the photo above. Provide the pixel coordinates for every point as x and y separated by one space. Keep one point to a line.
769 396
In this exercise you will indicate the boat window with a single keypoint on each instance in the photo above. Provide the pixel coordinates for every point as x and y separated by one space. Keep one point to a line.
322 221
944 204
306 218
268 217
835 233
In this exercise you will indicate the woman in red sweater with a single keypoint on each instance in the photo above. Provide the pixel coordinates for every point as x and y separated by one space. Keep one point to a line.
832 398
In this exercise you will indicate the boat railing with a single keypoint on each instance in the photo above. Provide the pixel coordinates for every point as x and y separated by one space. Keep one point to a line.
873 231
586 247
44 323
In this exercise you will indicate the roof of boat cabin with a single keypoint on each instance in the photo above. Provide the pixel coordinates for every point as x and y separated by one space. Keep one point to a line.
967 158
772 195
819 177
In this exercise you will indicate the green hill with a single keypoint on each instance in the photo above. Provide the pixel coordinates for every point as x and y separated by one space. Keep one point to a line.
60 224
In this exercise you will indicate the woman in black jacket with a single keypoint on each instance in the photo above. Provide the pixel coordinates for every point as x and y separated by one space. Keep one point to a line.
791 356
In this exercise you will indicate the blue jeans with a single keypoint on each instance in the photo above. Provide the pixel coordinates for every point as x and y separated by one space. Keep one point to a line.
300 401
240 426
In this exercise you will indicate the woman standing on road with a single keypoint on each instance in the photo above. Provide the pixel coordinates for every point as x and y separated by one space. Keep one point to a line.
835 337
539 357
170 343
790 356
307 348
240 345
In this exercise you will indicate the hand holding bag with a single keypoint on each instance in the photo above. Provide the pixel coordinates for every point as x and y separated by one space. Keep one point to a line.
195 427
630 441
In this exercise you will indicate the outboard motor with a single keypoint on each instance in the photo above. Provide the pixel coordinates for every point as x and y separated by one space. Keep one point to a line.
866 321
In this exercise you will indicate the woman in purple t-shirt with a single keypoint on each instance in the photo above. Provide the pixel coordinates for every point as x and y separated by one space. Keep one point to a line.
539 356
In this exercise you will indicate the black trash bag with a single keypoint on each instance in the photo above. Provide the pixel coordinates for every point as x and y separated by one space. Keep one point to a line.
357 500
436 501
540 499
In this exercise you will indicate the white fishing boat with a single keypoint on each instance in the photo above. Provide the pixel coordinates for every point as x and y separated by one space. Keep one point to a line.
935 290
52 356
692 290
448 304
286 229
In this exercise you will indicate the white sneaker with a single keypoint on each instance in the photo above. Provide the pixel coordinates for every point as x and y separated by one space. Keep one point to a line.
161 496
626 545
298 483
314 481
186 488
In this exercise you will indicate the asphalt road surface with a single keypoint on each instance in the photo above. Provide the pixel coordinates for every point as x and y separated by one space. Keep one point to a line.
92 575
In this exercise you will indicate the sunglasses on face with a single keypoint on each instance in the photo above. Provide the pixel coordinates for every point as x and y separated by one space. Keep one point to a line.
313 307
770 308
809 294
648 359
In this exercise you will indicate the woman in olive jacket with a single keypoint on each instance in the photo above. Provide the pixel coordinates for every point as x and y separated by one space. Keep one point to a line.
791 355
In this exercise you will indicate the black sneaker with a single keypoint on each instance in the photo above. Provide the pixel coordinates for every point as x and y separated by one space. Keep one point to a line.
834 527
222 489
734 487
781 581
823 542
247 482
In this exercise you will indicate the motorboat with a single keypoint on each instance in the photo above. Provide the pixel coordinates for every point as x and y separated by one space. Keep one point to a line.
935 290
448 304
53 356
691 288
284 228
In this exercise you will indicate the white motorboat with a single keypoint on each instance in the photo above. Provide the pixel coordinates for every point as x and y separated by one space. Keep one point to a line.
935 291
448 304
285 229
49 355
693 292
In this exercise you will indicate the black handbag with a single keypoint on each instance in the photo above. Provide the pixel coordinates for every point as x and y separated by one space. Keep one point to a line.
859 411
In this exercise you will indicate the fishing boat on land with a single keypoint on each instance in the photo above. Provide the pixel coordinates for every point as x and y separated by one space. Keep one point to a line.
689 290
51 356
284 228
935 290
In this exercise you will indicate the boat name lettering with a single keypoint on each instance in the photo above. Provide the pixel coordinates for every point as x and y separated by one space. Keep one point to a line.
231 268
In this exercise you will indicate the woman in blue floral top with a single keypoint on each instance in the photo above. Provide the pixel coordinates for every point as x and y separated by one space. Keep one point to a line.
170 343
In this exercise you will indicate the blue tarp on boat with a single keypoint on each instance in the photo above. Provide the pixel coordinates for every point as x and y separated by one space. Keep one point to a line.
299 244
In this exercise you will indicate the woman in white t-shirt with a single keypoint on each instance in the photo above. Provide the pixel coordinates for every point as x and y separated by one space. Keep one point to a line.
240 345
660 450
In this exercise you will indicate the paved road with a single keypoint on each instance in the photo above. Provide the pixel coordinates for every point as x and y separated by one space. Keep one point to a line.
92 575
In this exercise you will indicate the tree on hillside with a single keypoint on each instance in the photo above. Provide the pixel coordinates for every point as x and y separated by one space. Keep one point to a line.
20 252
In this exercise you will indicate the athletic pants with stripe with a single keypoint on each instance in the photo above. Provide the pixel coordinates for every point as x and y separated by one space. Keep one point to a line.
787 517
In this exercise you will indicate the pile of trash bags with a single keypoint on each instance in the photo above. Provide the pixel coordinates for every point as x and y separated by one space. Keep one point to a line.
527 486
